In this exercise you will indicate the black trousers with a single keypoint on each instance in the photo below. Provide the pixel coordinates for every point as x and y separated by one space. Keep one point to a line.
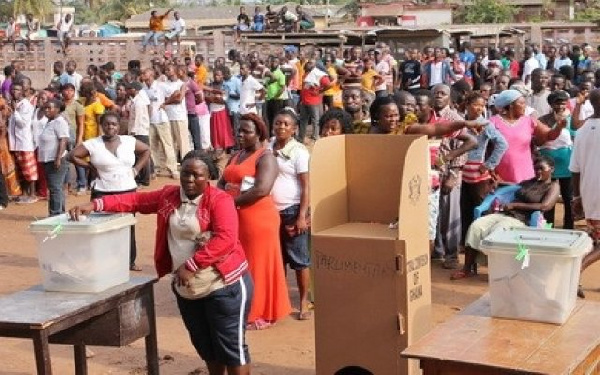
566 192
471 196
132 245
3 191
273 106
143 176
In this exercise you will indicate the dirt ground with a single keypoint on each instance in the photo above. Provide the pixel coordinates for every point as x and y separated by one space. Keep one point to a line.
286 349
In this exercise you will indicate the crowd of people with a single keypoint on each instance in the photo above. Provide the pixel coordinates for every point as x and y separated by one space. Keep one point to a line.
283 20
246 121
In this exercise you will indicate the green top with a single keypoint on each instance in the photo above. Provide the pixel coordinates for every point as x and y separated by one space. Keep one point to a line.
274 84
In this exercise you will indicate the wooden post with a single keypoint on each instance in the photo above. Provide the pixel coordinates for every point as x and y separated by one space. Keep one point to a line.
80 359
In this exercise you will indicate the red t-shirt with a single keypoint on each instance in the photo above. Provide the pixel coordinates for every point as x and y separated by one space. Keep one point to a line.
514 69
313 95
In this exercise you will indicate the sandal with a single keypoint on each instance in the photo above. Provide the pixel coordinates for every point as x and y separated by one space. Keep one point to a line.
304 315
451 264
135 267
259 325
462 274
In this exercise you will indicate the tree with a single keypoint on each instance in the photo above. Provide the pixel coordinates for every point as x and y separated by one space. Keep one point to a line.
120 10
351 8
38 8
589 11
488 11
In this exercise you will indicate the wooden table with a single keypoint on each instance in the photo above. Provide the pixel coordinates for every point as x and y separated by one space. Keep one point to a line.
474 343
115 317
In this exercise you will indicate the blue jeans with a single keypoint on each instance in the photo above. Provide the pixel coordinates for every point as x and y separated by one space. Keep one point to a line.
258 26
154 35
81 177
56 179
235 124
194 129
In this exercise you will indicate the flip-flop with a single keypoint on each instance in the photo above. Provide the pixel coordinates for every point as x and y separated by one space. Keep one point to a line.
304 315
259 325
462 274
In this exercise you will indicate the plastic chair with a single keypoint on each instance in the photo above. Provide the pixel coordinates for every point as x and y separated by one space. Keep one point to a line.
505 194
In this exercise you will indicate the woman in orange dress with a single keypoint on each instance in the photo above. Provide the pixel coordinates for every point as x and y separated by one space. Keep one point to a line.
7 163
249 178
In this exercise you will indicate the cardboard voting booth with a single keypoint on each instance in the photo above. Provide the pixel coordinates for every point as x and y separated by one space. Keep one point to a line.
372 282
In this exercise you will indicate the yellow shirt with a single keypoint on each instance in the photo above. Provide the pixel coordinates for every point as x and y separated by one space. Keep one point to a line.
201 75
367 81
362 127
91 128
333 76
300 74
409 119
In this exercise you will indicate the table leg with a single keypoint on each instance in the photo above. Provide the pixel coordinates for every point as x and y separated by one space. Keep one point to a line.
80 359
42 353
151 342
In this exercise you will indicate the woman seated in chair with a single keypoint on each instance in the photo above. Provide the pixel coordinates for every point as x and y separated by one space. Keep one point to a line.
537 194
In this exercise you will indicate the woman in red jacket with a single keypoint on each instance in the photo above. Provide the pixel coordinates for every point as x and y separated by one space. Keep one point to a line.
197 241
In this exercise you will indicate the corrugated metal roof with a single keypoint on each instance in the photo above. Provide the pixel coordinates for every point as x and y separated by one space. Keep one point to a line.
475 31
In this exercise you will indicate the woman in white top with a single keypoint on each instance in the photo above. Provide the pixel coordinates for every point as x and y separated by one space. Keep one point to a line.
38 122
290 194
52 145
112 159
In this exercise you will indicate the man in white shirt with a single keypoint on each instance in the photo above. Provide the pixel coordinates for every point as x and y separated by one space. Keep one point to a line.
71 76
177 111
21 140
539 98
585 168
563 58
383 69
64 28
161 137
11 32
139 124
250 86
530 65
177 30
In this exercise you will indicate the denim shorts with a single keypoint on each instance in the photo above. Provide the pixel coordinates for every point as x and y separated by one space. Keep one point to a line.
295 248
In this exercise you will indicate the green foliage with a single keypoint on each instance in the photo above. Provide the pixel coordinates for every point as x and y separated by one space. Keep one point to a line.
38 8
488 11
6 10
589 13
111 10
351 8
120 10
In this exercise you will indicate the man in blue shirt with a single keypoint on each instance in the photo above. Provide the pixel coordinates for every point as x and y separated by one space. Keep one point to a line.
468 58
233 88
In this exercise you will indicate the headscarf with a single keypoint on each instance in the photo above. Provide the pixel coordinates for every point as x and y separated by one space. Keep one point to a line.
506 98
522 88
